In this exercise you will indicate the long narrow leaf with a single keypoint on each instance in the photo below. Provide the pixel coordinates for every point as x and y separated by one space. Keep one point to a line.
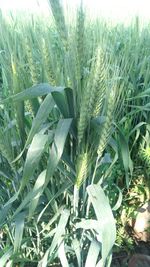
6 257
58 146
62 255
38 187
41 117
93 254
19 226
33 92
33 157
105 219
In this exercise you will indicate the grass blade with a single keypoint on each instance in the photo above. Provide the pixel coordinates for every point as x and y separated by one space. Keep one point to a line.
105 219
34 154
33 92
93 253
58 146
19 226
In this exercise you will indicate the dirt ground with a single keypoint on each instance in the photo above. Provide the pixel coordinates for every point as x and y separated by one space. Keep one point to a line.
121 259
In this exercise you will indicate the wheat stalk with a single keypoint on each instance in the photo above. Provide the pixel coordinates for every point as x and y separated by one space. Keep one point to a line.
5 147
82 169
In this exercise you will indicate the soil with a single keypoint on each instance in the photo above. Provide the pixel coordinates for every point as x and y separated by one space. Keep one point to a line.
121 259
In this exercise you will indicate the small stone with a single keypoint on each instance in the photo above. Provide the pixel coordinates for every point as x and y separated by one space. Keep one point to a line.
142 223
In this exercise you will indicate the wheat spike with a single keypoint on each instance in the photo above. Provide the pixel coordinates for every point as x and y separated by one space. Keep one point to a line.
32 65
94 93
80 42
106 130
98 86
34 72
84 116
47 64
58 14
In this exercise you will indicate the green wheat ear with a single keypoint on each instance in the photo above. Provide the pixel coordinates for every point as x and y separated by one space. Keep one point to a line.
98 87
80 40
32 66
47 64
82 169
83 119
58 14
94 93
112 101
106 130
34 73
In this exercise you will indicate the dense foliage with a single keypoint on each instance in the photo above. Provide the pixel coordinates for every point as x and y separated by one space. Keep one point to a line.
74 126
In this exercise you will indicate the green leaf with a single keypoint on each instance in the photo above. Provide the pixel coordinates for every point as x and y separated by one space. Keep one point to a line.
6 257
125 154
66 185
93 254
64 101
113 145
62 255
60 232
20 121
145 93
119 200
58 146
88 224
19 226
107 233
33 92
41 116
44 261
34 154
70 101
77 249
60 100
28 198
136 127
37 191
4 211
58 237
